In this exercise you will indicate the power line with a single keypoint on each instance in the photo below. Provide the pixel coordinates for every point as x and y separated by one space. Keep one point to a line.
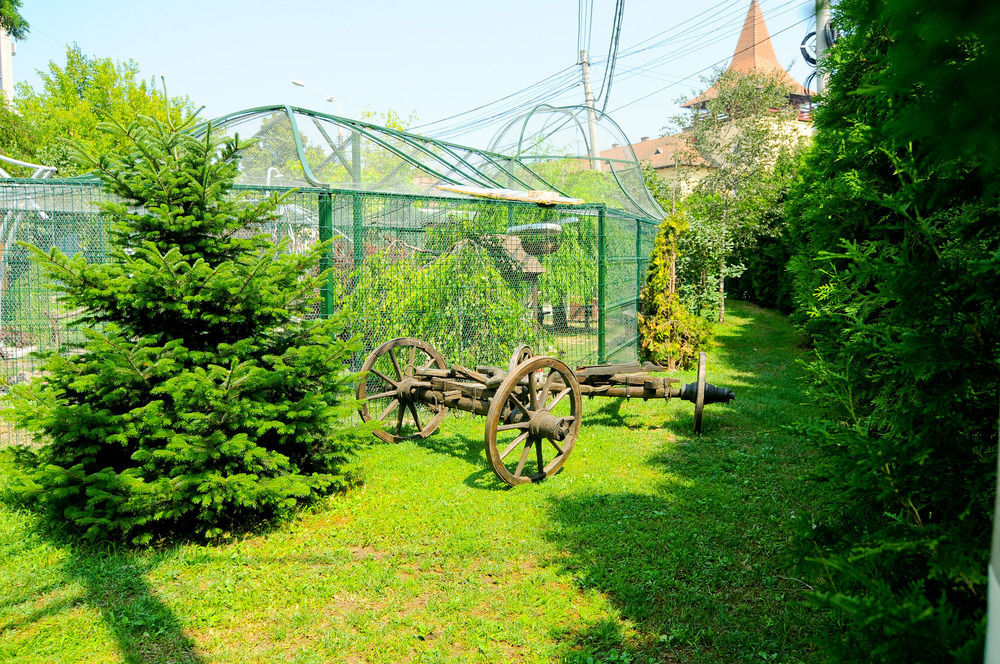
704 69
688 34
584 25
724 5
609 70
680 52
515 106
560 73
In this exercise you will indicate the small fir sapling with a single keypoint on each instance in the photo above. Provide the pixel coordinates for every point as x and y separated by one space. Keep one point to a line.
204 399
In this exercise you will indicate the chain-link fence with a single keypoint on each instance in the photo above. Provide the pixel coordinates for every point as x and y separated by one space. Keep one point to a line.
474 277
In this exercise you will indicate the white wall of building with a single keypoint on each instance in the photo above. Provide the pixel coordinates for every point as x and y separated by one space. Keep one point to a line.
6 65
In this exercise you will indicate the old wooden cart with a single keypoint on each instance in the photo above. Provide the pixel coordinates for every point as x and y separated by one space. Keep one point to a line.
534 404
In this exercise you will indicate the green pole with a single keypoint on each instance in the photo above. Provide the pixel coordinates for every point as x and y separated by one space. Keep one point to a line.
358 212
638 280
602 284
326 260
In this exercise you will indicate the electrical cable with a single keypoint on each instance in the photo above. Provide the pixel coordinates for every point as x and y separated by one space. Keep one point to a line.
511 109
559 73
630 72
704 69
609 70
683 36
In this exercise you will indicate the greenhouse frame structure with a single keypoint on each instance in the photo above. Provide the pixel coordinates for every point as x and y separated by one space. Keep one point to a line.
475 275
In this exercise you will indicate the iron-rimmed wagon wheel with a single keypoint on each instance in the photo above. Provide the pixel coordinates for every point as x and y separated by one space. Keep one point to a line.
520 355
536 409
389 375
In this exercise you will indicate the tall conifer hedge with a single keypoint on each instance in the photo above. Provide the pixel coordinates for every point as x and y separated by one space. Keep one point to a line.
897 273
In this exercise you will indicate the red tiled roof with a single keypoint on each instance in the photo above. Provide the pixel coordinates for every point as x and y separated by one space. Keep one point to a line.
662 152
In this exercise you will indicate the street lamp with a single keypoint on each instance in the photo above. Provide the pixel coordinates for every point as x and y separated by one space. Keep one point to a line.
340 111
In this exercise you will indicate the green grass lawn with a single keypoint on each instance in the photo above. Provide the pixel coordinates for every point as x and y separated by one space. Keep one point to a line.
652 545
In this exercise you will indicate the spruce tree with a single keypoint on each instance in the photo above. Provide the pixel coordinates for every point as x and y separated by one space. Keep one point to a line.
204 398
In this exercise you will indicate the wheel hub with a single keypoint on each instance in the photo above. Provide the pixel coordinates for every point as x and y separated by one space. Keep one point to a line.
545 424
405 390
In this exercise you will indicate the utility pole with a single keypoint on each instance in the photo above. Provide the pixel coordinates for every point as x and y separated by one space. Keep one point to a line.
823 34
595 163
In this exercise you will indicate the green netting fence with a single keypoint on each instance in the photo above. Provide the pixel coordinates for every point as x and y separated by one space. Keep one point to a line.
474 277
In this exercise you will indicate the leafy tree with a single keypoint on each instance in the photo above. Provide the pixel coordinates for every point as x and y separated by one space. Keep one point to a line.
897 270
17 136
747 134
203 399
79 95
459 302
11 19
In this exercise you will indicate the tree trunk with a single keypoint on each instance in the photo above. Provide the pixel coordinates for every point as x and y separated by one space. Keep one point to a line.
673 273
536 305
559 320
722 291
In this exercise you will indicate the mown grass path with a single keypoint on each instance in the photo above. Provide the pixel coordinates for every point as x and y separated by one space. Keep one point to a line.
651 545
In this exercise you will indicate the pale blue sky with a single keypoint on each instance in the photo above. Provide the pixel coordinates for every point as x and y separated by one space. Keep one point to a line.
434 59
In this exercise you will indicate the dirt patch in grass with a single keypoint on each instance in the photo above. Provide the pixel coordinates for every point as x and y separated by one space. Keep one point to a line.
365 552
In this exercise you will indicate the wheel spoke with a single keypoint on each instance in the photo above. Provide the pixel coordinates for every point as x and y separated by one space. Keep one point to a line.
532 394
399 422
510 448
383 376
520 406
558 449
513 425
559 397
524 457
382 395
416 418
385 413
538 455
395 364
547 388
413 357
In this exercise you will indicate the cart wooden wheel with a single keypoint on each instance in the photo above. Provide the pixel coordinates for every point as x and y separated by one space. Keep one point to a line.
388 376
519 356
699 401
534 413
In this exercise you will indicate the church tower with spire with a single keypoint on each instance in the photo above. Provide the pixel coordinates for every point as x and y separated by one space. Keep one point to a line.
673 157
755 53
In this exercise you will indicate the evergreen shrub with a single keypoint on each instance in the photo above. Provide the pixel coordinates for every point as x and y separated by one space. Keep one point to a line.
669 334
896 230
204 398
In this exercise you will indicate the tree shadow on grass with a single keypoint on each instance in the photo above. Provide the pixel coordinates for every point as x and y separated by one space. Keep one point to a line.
698 567
469 449
458 445
114 583
608 414
145 628
698 573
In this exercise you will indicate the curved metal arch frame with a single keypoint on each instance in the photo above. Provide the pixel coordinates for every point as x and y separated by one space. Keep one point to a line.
372 131
450 164
652 208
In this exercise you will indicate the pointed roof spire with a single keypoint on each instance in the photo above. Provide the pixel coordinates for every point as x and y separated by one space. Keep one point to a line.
754 52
